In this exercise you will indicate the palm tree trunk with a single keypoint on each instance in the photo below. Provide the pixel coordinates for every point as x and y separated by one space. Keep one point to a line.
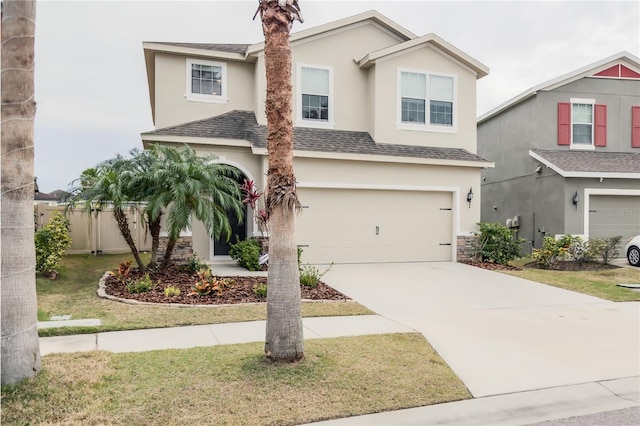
154 230
20 345
123 226
284 335
171 243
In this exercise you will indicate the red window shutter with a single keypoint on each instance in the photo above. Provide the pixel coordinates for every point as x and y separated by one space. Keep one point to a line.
635 126
600 121
564 123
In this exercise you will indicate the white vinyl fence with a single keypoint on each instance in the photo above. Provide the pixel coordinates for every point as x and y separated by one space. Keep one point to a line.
97 232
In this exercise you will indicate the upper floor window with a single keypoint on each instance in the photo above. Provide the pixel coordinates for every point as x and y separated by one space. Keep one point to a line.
315 96
582 124
206 81
427 99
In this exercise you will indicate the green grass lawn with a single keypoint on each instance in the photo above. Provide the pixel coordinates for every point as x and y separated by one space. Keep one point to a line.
600 283
73 293
233 385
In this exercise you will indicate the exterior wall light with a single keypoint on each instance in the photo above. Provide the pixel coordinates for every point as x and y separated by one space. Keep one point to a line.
575 199
470 196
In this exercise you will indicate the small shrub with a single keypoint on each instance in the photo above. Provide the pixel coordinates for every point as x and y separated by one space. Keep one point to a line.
52 242
141 286
123 272
260 290
576 248
247 254
551 252
310 275
497 244
171 291
605 248
208 284
195 264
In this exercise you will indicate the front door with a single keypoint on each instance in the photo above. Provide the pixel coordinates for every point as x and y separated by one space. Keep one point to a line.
221 246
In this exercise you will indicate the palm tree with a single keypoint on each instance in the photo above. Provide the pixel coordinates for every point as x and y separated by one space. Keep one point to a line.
108 185
284 335
140 183
184 185
20 347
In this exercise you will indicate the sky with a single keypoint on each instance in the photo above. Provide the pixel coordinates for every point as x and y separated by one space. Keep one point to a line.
90 78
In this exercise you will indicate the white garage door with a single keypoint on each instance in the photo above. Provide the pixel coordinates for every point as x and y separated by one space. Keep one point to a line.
612 215
359 226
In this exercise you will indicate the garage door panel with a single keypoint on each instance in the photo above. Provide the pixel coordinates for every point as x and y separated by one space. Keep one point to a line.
613 215
348 226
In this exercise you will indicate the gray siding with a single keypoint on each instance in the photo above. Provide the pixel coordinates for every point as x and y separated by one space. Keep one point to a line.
544 200
618 95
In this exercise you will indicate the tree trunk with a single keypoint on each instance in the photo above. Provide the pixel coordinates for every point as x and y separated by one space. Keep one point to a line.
284 335
20 345
154 230
171 243
123 225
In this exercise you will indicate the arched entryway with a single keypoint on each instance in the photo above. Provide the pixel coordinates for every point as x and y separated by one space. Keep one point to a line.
239 229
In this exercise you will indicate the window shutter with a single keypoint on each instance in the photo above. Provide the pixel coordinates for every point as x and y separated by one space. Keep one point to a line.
600 121
564 123
635 126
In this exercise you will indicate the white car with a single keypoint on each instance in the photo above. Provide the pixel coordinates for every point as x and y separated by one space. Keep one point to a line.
632 250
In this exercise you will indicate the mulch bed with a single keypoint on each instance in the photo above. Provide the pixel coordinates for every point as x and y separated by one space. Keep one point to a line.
180 277
573 266
492 266
560 266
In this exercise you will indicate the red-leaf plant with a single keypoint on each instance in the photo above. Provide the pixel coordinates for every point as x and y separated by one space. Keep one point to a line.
252 197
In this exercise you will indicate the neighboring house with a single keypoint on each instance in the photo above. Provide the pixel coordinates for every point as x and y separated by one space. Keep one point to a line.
51 199
384 138
567 155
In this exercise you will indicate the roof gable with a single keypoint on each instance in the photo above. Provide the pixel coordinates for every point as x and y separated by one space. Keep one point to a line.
613 64
618 71
386 24
431 40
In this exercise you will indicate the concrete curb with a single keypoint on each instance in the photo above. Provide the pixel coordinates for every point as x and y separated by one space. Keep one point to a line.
514 409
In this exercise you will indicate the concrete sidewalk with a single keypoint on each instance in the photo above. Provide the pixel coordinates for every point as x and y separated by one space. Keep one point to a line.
214 334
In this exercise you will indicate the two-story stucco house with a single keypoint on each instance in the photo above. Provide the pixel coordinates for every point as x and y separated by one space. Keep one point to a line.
567 155
384 139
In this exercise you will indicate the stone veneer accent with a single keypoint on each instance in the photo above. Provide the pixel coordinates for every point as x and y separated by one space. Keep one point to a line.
182 251
466 247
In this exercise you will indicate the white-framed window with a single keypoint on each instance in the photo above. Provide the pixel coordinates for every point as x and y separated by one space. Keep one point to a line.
582 121
427 101
206 81
314 96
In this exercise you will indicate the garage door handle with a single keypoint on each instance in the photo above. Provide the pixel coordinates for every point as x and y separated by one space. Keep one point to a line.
445 244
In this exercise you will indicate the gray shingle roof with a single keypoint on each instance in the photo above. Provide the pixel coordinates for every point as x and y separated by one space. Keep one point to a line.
219 47
243 125
593 161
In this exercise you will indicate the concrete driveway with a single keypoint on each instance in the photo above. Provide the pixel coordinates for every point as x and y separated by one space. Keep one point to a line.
501 334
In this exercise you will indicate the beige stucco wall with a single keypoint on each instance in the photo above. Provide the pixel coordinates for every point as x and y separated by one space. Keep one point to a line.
172 107
428 60
337 50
